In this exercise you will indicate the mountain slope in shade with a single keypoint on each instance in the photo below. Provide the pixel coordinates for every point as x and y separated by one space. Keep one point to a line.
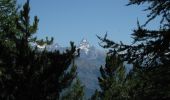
89 64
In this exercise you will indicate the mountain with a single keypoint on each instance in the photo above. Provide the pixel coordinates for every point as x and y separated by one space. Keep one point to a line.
84 46
88 64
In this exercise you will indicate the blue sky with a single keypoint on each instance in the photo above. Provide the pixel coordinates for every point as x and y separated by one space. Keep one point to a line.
72 20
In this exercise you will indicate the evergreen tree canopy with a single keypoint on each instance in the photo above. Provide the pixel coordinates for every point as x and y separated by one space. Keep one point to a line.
75 92
113 80
149 54
27 73
156 8
150 47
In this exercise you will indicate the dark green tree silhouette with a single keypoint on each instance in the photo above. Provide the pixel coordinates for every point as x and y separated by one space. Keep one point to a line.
7 17
75 92
114 80
27 73
149 53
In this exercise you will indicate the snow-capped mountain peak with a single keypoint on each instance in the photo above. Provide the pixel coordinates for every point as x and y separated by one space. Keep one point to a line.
84 45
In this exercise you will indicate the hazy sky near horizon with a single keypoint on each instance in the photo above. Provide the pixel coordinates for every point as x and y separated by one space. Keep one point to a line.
72 20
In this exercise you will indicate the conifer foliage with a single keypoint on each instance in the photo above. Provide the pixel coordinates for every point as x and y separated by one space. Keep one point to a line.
113 80
149 54
75 92
27 73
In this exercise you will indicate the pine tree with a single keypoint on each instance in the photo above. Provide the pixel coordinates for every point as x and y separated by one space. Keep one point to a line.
113 81
95 96
7 17
149 53
75 92
25 72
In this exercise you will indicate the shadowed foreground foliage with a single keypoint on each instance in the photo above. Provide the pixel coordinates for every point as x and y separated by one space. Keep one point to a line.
27 73
149 54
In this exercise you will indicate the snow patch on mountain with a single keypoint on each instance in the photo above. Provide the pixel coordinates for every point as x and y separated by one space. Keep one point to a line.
84 45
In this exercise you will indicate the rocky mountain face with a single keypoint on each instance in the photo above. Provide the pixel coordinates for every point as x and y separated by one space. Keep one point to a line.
89 63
